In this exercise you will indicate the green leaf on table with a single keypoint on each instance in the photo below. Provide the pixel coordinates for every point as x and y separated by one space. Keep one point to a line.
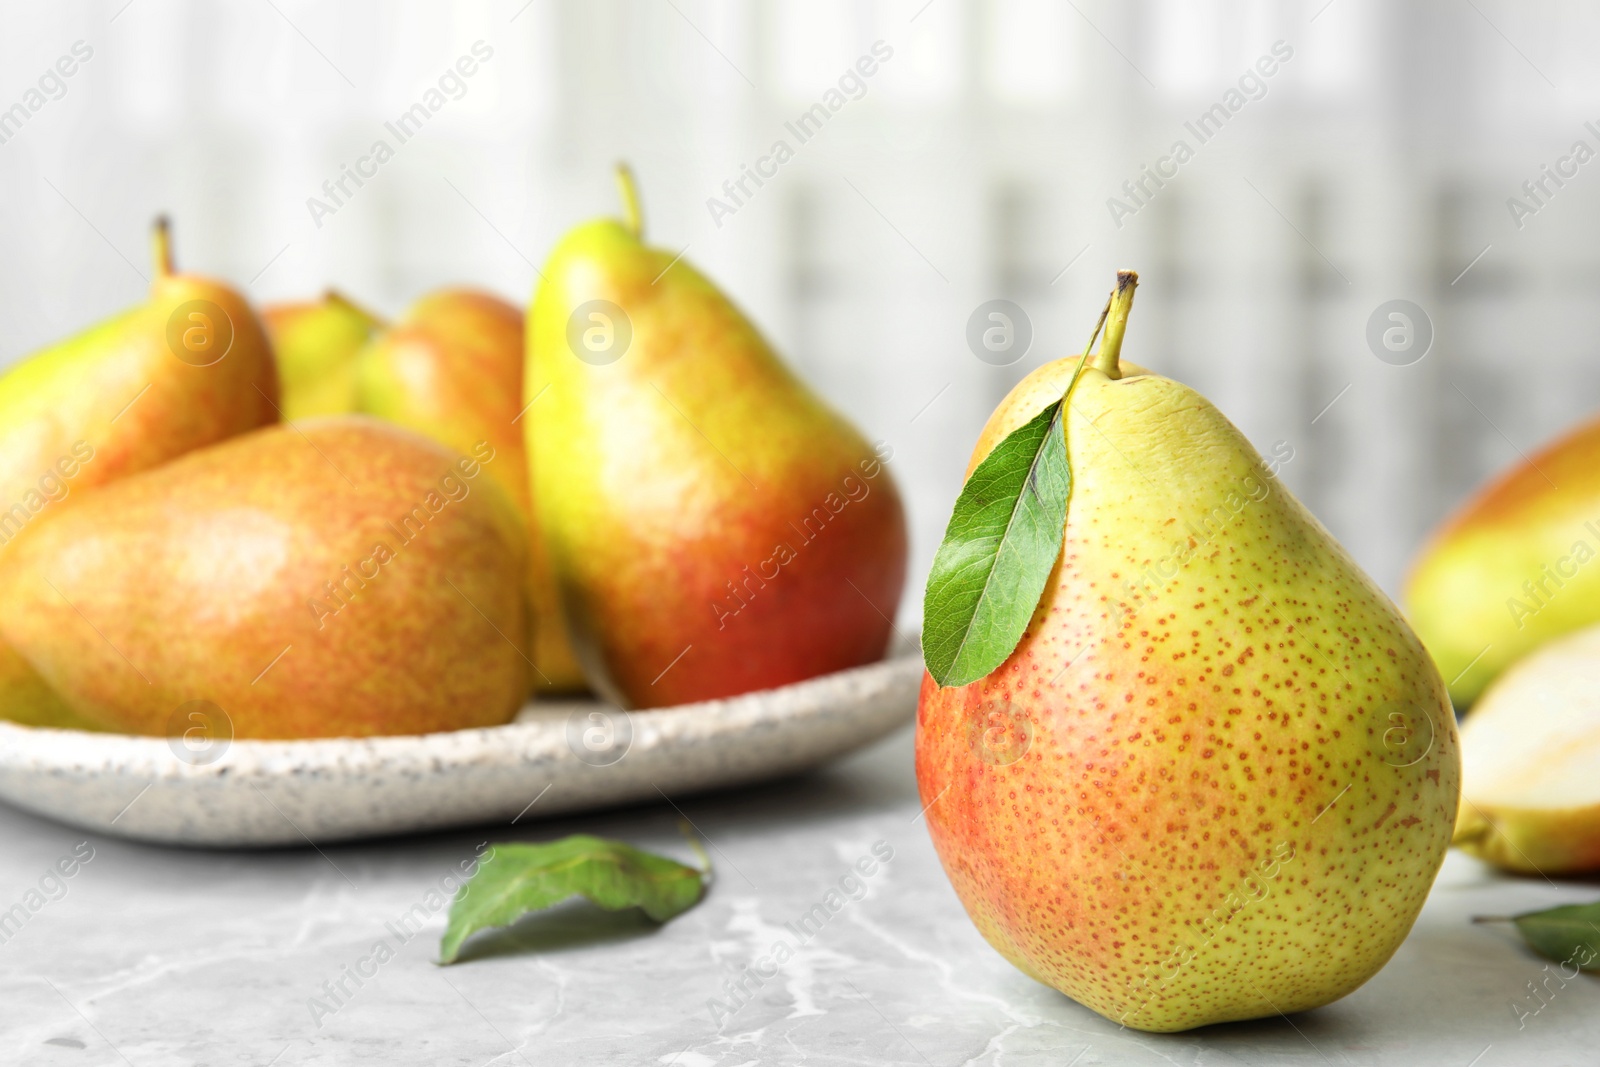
515 879
1002 542
1569 934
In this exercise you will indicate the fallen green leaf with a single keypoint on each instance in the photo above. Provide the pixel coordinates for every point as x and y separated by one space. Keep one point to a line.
1569 934
515 879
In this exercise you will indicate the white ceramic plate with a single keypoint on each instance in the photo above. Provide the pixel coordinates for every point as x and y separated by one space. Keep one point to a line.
556 758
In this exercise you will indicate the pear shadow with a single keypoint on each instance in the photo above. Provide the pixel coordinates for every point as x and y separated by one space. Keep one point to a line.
1313 1025
571 925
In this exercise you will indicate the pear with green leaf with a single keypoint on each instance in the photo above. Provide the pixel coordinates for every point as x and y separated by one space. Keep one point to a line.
1182 759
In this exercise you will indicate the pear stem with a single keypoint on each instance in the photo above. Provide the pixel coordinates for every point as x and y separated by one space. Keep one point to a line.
633 215
161 246
1106 359
1088 349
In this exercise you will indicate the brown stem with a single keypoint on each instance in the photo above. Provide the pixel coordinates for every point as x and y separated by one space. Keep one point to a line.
161 246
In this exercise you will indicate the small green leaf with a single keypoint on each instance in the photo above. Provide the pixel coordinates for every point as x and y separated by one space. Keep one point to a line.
1002 542
1006 529
513 880
1569 934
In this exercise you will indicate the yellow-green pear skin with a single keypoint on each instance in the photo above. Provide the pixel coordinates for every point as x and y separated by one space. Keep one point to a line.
1514 567
452 369
714 527
1530 797
29 700
340 577
1217 777
315 343
189 367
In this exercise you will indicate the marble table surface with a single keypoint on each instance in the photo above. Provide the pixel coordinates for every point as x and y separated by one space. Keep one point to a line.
154 956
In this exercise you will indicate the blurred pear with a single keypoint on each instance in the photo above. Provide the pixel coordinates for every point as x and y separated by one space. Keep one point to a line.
714 526
316 343
1514 567
187 368
451 368
343 577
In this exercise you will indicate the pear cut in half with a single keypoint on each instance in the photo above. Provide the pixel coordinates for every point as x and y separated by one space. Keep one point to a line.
1531 763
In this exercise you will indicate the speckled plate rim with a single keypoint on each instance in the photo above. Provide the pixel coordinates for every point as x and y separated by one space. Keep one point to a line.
271 793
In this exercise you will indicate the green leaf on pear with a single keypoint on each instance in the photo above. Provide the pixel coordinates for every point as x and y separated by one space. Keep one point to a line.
513 880
998 550
1006 530
1569 934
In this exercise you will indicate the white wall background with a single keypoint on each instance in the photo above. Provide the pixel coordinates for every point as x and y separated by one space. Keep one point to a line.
977 165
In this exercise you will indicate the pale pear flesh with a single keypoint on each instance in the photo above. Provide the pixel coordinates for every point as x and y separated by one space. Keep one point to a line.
1531 763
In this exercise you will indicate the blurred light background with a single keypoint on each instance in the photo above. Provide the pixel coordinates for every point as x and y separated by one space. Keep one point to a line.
1374 164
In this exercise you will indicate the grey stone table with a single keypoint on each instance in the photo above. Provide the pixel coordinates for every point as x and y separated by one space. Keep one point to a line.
152 956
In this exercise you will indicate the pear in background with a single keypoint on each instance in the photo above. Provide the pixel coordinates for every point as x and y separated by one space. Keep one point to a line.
1515 566
1530 750
452 369
29 700
1218 768
189 367
714 527
316 343
343 577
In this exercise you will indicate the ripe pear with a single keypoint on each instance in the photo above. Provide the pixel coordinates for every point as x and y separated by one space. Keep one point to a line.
1218 774
1529 749
1514 566
452 369
340 577
189 367
714 527
316 343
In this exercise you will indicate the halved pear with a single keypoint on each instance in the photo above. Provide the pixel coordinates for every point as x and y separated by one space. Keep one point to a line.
1531 763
